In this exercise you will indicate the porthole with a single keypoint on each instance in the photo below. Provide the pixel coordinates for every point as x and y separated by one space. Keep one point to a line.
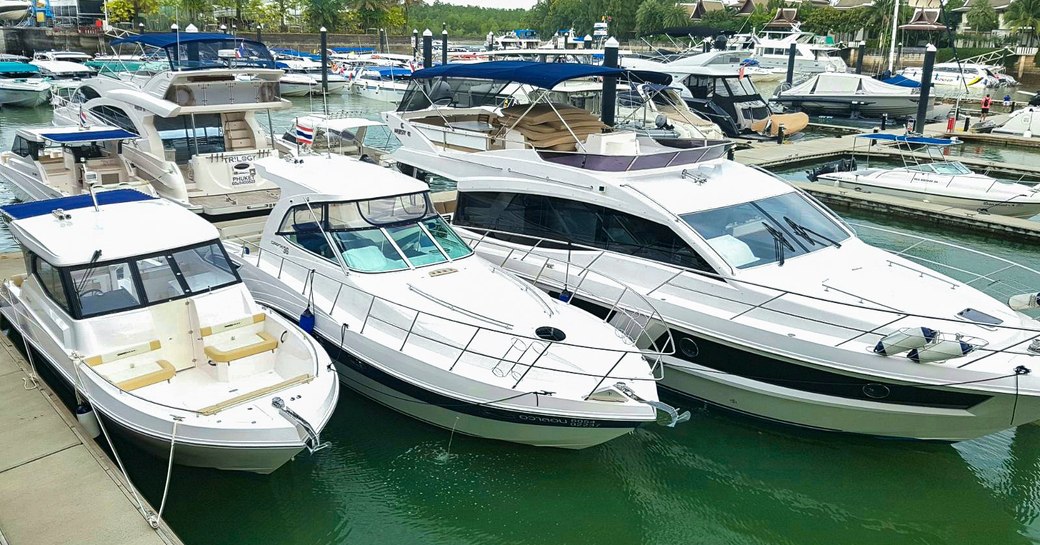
876 391
689 347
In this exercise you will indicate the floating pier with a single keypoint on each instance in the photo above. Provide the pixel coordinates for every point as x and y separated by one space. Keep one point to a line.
56 484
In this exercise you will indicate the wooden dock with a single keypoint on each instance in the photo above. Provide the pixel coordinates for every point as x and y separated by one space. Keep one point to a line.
57 486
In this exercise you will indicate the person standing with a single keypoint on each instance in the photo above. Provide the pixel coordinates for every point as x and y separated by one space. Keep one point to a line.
1007 102
986 103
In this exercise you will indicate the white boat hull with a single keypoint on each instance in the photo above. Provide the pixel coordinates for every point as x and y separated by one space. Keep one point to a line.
24 98
374 92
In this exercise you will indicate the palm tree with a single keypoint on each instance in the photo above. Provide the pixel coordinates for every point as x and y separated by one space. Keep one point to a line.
369 11
407 4
1024 15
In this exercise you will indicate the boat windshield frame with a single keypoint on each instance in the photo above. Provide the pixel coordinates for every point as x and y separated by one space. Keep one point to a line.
127 272
370 239
792 225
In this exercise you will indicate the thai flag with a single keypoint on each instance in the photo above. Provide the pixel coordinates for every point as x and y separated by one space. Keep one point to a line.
82 117
304 135
240 51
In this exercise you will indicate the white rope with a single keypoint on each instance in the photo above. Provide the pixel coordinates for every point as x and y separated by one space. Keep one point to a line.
30 382
154 520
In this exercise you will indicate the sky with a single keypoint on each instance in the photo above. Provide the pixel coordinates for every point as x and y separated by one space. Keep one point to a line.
511 4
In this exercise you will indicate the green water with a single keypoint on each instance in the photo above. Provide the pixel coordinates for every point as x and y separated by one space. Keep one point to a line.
718 479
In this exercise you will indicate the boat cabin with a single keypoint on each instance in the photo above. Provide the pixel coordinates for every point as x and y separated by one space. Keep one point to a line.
724 97
72 160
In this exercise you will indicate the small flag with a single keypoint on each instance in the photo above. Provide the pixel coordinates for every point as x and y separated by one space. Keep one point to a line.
411 65
304 135
82 117
740 73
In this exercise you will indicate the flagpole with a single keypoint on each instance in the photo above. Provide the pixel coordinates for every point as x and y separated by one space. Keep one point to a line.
296 129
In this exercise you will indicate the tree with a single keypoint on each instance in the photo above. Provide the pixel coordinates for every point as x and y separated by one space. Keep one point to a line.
325 13
370 12
129 10
982 17
1024 15
654 15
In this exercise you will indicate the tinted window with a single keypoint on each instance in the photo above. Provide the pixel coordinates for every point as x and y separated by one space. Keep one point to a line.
115 116
576 222
205 267
50 279
183 136
104 288
158 279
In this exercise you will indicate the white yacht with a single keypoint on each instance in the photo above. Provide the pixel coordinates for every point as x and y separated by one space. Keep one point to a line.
199 122
14 10
51 162
736 61
518 39
64 69
951 76
418 323
303 77
363 139
937 180
813 53
1024 123
777 308
135 304
385 83
21 85
836 93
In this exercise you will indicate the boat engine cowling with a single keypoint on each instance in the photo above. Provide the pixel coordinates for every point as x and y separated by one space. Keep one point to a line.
907 338
847 164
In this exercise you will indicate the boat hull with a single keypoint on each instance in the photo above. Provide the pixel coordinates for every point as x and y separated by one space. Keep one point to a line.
867 106
24 98
992 206
384 94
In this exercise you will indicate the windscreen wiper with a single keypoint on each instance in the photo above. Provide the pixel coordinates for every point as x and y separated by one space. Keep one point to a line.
779 242
805 233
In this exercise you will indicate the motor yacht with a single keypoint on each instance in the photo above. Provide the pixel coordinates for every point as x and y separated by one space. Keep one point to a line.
22 85
778 309
418 323
841 94
935 179
363 139
737 61
303 77
134 303
51 162
64 69
952 76
813 53
385 83
14 10
199 122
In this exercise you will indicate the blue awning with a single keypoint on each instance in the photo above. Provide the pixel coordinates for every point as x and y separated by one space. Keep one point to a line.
42 208
354 49
542 74
88 136
393 72
905 139
166 39
902 81
18 68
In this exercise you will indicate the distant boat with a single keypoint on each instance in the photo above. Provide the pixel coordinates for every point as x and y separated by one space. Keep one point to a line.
14 10
21 85
1021 123
832 93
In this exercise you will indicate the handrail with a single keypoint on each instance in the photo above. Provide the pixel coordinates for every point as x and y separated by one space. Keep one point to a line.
776 293
415 329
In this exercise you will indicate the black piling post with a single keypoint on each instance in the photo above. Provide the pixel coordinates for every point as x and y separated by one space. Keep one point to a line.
780 134
610 59
926 88
259 32
967 122
415 44
730 154
884 121
790 64
860 55
324 60
427 48
444 46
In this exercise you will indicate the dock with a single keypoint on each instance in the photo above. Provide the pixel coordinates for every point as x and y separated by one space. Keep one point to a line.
57 486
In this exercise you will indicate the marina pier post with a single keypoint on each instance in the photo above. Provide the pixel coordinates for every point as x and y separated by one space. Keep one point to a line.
926 88
610 58
791 52
427 48
444 46
859 56
324 60
415 44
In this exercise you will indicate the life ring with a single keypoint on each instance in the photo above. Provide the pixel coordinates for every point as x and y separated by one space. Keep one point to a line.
184 96
268 92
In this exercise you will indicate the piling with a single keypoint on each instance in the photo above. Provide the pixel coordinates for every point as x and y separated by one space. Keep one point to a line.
859 56
791 52
884 121
587 44
427 48
610 59
926 88
415 44
259 32
444 46
324 60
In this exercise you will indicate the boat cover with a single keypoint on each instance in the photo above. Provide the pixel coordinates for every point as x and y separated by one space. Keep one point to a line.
902 81
541 74
906 139
88 135
18 68
41 208
166 39
829 83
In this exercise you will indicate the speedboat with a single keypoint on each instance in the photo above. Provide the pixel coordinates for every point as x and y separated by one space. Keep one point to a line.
298 85
14 10
386 83
199 121
50 162
956 75
64 69
1024 123
21 85
937 181
298 72
340 135
778 309
135 304
418 323
833 93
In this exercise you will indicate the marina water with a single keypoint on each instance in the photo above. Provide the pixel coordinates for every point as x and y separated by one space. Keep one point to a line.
718 479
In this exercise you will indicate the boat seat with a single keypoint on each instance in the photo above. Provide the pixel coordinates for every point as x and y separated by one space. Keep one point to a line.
310 237
233 324
125 352
166 371
258 393
237 348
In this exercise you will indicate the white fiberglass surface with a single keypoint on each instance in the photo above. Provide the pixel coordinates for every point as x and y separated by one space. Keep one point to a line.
767 230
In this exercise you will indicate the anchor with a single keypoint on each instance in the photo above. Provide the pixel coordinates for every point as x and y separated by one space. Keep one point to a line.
666 414
313 441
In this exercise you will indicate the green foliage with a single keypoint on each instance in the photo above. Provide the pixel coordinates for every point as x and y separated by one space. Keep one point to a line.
548 16
463 21
827 20
655 15
1025 15
120 11
326 13
982 17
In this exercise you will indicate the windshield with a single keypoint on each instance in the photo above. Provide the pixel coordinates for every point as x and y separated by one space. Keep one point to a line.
376 235
123 285
766 231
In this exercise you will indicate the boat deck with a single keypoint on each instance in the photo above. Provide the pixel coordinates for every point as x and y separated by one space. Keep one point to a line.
56 485
236 203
